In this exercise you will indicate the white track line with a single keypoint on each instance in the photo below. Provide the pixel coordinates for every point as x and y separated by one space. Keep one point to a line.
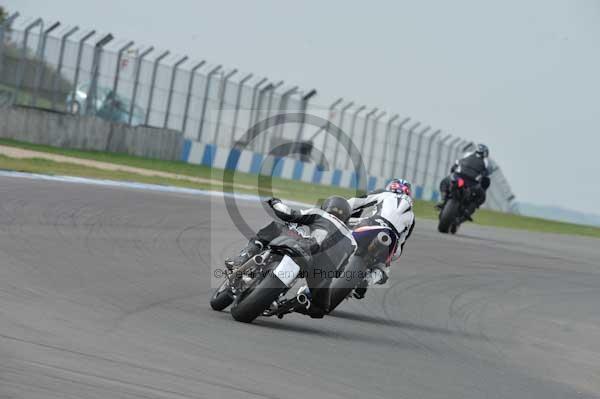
139 186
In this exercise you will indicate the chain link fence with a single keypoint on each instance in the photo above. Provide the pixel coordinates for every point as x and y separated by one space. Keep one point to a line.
89 73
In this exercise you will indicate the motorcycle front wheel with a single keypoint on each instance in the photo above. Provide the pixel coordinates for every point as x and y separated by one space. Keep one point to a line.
222 297
448 215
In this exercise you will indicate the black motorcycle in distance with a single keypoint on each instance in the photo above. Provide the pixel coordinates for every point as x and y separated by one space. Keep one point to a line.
455 210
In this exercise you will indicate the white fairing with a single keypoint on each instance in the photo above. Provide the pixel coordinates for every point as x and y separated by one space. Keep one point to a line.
287 271
397 208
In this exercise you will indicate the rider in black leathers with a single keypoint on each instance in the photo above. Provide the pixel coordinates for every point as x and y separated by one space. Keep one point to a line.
322 235
474 169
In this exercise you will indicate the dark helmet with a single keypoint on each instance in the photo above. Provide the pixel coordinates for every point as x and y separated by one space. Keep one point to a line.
482 151
338 207
399 186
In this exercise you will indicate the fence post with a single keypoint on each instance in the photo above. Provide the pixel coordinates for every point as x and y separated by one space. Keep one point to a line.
407 151
115 86
188 97
253 103
261 95
39 66
259 101
152 83
374 138
303 107
418 154
238 99
281 109
327 126
451 151
396 147
21 69
437 174
269 108
78 67
366 126
3 28
329 112
90 100
339 131
261 141
351 137
388 128
205 99
459 148
428 156
468 145
271 93
61 56
222 91
136 81
171 88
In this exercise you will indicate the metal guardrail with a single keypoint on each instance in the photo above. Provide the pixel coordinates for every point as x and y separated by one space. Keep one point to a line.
74 70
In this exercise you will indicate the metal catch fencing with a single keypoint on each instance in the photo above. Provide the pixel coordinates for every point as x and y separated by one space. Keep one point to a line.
92 73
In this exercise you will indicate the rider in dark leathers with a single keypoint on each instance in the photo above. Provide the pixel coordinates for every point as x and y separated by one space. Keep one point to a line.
314 222
322 234
474 169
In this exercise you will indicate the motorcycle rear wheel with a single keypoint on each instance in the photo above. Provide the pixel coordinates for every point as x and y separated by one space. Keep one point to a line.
252 305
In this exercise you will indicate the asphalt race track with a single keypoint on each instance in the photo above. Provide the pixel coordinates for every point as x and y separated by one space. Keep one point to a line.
104 294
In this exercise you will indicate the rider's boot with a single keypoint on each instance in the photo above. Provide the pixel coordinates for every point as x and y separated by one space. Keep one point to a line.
440 205
253 248
361 289
309 309
312 311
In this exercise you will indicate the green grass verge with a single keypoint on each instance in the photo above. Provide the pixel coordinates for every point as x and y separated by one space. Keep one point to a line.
298 191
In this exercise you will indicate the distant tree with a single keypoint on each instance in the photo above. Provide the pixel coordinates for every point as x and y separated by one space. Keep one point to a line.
3 14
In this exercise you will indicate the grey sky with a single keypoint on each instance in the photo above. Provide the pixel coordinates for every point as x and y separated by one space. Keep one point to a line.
522 76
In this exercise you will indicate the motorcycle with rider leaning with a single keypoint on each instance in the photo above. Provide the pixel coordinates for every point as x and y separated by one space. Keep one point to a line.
392 207
383 220
314 244
464 190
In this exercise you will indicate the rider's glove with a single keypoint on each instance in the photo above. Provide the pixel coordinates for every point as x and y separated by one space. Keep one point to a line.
273 201
353 222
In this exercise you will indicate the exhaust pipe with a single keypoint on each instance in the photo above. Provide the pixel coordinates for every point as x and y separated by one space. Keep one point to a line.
381 240
302 299
384 239
259 259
